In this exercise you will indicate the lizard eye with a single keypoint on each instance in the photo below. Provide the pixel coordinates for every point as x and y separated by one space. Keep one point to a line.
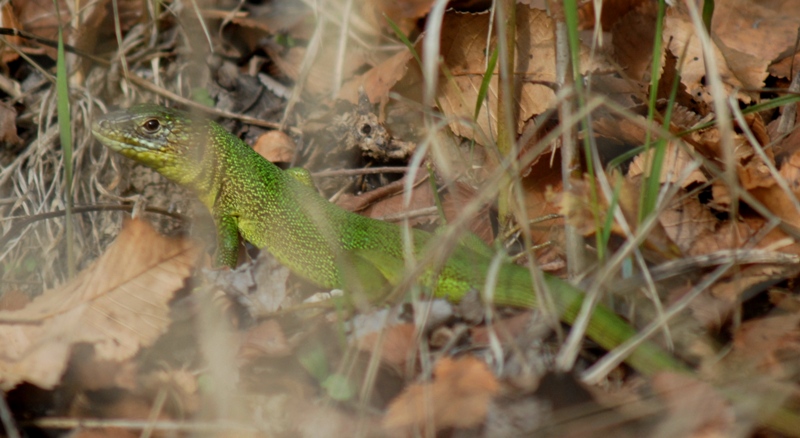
151 125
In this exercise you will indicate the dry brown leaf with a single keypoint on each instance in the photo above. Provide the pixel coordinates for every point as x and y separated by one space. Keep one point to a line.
751 168
676 160
694 408
784 300
129 12
117 305
452 205
732 235
544 177
506 329
577 207
708 143
698 232
13 299
632 38
759 29
465 55
774 197
612 11
393 207
621 91
786 67
737 71
388 203
399 344
264 340
276 147
627 131
360 202
684 118
378 80
249 27
788 144
670 74
750 70
691 226
8 124
90 374
769 345
39 18
755 174
319 79
714 308
457 397
128 406
658 241
303 418
182 384
9 19
422 197
404 13
261 24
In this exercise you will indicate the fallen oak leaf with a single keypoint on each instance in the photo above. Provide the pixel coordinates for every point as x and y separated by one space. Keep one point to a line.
458 397
117 305
464 53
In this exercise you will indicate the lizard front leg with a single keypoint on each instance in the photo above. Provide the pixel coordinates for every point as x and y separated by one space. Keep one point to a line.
227 241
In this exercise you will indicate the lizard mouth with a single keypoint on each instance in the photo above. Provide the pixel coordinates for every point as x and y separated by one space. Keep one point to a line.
118 142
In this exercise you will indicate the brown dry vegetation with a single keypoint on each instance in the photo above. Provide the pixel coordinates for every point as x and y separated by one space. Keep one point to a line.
146 339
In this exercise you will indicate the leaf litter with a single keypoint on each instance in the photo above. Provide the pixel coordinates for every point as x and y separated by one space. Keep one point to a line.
98 330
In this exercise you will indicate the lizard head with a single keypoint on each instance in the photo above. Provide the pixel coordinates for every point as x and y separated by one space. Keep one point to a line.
171 142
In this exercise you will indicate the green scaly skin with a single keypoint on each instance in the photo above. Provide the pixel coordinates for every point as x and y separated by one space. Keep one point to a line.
250 197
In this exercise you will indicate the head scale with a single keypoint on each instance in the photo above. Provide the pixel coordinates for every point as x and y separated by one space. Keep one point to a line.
170 141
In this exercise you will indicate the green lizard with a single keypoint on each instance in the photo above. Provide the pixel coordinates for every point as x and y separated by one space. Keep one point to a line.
253 199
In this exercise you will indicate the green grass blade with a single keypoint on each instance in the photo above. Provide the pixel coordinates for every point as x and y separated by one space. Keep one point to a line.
652 183
763 106
605 234
487 79
65 131
571 20
708 13
403 38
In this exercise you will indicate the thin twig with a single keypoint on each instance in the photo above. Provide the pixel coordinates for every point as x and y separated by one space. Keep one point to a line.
175 426
16 230
357 172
